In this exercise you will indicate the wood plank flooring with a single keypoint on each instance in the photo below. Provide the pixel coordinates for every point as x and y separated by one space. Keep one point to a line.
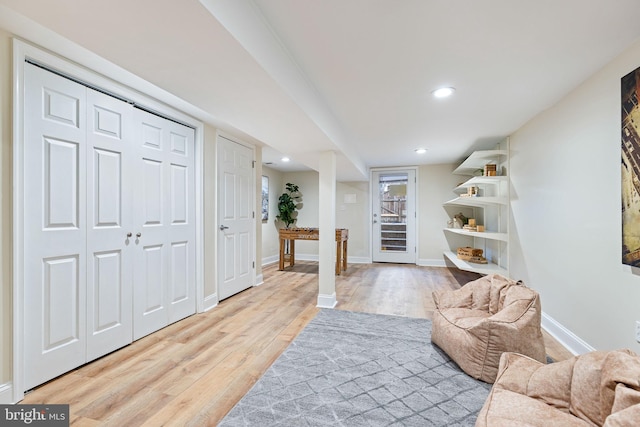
194 371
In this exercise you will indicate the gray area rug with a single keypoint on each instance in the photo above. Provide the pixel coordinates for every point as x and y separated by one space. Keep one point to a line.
357 369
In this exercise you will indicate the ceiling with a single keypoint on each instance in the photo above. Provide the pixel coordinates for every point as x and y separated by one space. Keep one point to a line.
352 76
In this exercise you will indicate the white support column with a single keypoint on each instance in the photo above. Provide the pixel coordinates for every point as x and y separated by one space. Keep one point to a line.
327 226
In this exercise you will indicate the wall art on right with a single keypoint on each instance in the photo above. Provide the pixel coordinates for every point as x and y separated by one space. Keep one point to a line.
630 162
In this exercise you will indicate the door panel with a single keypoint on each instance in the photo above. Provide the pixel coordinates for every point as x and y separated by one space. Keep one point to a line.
236 215
54 229
109 250
152 194
165 282
152 301
61 183
179 272
179 191
108 292
61 301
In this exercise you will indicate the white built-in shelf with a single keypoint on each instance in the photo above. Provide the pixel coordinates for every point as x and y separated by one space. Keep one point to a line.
503 237
479 201
478 159
490 205
479 180
489 268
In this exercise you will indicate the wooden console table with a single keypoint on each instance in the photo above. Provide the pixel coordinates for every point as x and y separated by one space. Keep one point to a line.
293 234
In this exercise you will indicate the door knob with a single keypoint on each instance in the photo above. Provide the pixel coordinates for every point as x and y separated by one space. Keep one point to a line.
223 227
129 234
138 234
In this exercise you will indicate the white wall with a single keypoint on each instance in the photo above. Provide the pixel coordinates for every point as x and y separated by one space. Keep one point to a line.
435 186
565 227
270 243
352 216
356 218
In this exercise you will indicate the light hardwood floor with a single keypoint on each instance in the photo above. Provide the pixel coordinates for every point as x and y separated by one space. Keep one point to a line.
194 371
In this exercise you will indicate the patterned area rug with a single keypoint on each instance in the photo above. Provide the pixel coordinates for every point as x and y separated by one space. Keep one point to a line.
356 369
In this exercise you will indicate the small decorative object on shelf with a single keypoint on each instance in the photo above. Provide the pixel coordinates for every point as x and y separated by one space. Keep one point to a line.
471 192
461 218
490 169
480 228
467 252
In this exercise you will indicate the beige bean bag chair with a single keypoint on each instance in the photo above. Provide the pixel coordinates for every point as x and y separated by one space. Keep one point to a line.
595 389
475 324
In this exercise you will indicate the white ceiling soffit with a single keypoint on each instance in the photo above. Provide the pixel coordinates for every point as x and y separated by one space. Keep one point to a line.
375 62
352 76
246 23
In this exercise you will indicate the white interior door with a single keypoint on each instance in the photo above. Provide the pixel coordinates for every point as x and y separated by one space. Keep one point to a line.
54 229
393 226
109 219
236 218
164 271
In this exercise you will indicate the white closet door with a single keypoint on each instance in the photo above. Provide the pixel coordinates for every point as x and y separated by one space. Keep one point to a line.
109 219
97 169
54 228
164 270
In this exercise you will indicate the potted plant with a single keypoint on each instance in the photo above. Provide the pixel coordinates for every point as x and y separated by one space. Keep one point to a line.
288 204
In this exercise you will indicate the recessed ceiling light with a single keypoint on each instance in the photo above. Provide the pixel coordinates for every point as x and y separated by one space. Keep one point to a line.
421 150
285 159
443 92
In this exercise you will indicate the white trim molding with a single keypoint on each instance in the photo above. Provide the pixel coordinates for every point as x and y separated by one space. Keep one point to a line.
6 394
270 260
564 336
259 279
210 301
327 301
427 262
358 260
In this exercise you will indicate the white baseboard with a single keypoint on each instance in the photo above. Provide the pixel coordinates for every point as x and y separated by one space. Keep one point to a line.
210 302
259 280
327 301
358 260
6 394
312 257
564 336
270 260
426 262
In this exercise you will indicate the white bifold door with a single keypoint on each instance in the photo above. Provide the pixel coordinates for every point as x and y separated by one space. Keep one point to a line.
109 224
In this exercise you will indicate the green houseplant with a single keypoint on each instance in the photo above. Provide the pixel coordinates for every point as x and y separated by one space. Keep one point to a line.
288 204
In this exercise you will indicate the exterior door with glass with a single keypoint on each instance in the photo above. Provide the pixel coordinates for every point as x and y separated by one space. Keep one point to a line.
393 196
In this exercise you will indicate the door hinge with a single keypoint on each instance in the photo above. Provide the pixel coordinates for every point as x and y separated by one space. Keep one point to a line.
253 214
253 164
253 264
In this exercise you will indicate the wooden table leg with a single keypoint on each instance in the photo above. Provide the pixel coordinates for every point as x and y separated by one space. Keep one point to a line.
338 260
292 252
344 255
281 264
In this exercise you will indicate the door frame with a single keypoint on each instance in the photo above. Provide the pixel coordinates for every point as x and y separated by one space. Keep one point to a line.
132 88
373 187
254 195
